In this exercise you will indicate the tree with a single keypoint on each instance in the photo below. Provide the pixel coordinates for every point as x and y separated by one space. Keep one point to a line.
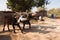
17 5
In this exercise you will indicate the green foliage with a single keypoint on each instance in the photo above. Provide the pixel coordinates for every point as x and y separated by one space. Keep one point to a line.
17 5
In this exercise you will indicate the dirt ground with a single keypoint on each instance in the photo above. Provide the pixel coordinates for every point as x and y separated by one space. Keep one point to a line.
41 30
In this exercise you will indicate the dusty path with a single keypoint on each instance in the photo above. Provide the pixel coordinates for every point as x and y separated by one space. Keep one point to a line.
47 30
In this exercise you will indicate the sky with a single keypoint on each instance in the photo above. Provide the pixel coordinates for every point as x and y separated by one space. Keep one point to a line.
53 4
3 5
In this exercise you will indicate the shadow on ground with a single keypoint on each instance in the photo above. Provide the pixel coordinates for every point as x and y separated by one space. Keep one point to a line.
34 28
5 37
7 30
40 29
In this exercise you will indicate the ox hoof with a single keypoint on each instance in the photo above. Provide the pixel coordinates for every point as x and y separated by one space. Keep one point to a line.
8 30
29 27
15 32
3 30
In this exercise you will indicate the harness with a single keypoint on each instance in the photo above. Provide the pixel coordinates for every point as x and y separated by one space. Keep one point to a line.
22 18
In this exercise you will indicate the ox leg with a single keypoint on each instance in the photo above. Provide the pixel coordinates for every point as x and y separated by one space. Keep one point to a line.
8 27
13 28
23 26
29 25
19 26
4 27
